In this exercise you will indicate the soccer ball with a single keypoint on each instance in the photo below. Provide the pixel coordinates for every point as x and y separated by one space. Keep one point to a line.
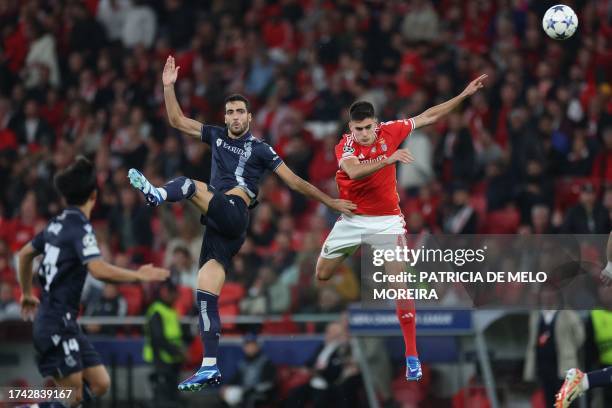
560 22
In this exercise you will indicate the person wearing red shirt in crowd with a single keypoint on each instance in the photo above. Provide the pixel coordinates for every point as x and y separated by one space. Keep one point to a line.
367 177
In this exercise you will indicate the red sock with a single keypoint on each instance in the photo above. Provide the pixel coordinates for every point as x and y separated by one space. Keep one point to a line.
406 314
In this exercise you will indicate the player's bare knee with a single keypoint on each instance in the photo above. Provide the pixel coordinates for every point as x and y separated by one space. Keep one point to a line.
100 386
323 273
77 397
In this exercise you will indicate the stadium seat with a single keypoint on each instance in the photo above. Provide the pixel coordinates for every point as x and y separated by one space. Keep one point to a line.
184 301
567 191
289 378
502 222
284 326
133 295
229 300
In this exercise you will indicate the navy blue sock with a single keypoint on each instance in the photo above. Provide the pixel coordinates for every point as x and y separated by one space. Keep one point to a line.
178 189
600 378
210 323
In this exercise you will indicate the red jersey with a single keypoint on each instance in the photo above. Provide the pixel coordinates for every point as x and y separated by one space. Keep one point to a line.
375 194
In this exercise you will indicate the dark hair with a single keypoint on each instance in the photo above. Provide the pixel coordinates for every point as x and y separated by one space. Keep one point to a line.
361 110
238 98
76 182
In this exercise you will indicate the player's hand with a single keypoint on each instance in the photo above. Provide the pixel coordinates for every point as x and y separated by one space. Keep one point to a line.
148 273
402 156
170 72
606 275
29 304
343 206
474 85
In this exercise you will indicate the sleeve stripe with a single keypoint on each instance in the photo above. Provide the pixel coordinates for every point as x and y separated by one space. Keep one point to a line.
412 123
278 165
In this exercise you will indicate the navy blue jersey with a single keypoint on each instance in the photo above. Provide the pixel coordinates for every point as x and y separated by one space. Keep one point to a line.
67 244
238 162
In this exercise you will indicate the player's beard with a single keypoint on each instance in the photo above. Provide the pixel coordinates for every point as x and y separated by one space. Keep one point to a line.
235 131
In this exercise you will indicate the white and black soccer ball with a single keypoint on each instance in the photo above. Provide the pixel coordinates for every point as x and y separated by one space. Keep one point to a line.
560 22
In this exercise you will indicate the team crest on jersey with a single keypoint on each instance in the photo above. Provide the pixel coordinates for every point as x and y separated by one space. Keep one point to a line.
219 141
373 150
348 149
383 148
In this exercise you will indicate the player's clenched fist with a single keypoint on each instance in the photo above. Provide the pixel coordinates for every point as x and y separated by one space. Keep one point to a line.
29 304
400 155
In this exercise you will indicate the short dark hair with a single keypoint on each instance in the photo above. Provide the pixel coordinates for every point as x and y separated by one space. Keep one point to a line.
76 182
238 98
361 110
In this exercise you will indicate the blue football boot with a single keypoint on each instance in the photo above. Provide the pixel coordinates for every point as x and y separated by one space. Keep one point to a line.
413 369
209 376
140 182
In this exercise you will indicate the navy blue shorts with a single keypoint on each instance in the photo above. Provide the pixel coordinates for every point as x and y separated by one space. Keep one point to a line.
226 223
62 348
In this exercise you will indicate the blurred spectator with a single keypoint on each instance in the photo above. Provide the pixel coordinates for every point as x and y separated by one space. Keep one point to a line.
588 216
139 25
458 216
9 308
130 221
41 65
253 385
110 304
182 268
554 339
597 347
267 294
335 375
164 347
421 22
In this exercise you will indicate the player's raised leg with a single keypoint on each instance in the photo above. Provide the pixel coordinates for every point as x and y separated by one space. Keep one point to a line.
96 382
74 382
577 383
178 189
326 266
210 281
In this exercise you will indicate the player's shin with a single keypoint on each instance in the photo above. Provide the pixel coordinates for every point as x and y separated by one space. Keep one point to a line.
406 314
178 189
210 326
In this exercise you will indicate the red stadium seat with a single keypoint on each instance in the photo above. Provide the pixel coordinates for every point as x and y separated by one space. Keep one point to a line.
228 304
133 295
284 326
567 191
502 222
184 300
289 378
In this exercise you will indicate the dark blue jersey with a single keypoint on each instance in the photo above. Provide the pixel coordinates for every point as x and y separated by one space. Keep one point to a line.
238 162
67 244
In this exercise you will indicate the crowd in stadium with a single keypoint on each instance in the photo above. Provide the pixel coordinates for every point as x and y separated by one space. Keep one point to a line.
530 153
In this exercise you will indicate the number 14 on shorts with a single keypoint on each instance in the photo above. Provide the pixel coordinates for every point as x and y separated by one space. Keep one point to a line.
70 345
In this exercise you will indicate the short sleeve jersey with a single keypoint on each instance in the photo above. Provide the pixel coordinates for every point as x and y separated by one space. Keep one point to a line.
238 162
67 243
375 194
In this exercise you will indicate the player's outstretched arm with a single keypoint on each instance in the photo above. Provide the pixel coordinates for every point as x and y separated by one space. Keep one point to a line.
28 301
434 113
175 114
302 186
107 272
356 170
